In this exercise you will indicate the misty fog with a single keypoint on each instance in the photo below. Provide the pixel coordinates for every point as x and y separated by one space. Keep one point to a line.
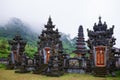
67 15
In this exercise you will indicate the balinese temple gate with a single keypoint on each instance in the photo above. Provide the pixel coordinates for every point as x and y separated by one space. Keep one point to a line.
100 43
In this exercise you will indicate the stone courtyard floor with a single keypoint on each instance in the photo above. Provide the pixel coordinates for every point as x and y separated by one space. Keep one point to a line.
10 75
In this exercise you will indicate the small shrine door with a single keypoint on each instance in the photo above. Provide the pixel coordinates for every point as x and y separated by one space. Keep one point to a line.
100 56
15 55
47 51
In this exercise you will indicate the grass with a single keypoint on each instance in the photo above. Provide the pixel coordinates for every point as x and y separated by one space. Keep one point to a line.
10 75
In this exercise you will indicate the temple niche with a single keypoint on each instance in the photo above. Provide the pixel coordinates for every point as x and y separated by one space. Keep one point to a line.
50 51
101 42
17 47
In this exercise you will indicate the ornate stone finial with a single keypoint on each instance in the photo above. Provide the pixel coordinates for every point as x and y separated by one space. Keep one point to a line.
100 20
49 17
113 26
95 27
49 21
95 24
57 29
105 23
104 26
80 28
17 37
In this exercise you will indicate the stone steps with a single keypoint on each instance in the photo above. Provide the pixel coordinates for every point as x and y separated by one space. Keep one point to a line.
41 70
100 71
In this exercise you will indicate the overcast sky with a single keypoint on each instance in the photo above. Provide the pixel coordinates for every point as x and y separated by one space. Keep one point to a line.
67 15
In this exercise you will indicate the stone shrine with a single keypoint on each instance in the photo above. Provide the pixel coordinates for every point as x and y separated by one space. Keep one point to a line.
49 50
17 46
100 42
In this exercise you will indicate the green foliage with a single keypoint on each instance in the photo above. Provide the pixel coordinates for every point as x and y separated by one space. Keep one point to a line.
16 26
4 48
72 55
13 27
68 47
30 50
118 73
68 44
2 65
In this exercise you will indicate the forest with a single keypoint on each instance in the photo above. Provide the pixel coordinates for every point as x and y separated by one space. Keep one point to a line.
16 26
